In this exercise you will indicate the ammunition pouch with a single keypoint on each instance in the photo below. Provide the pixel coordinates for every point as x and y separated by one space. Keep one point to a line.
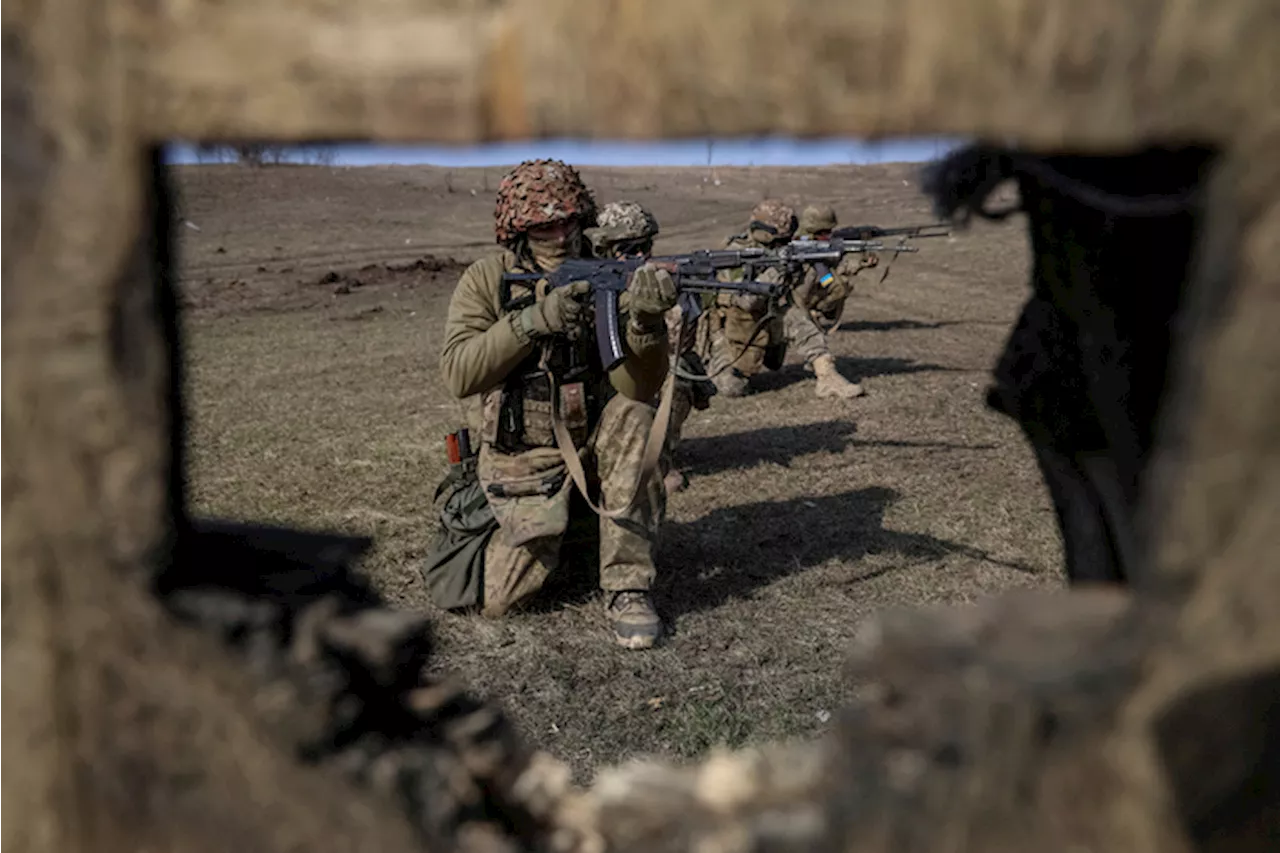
517 415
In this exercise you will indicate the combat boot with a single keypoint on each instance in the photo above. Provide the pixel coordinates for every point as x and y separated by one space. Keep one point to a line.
831 383
635 623
731 383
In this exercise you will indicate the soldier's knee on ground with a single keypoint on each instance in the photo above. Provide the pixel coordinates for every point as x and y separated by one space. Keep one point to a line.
512 573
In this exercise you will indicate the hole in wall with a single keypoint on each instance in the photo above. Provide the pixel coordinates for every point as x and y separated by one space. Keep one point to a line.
316 280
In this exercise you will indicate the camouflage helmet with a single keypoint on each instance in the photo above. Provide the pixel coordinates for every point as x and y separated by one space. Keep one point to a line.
773 216
539 192
620 221
814 219
628 220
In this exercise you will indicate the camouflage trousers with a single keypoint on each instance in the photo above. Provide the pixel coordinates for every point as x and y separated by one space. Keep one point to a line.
797 332
731 335
526 548
803 335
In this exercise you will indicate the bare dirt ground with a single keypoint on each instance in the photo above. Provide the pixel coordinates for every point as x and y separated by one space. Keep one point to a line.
315 301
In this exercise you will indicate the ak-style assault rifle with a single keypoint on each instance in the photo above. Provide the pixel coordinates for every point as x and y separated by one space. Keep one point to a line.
823 254
693 273
875 232
864 234
799 252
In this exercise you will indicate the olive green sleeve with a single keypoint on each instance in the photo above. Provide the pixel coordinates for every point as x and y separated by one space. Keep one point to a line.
481 344
641 375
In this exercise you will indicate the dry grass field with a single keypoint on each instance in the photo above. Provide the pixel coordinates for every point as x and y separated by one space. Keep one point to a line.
315 300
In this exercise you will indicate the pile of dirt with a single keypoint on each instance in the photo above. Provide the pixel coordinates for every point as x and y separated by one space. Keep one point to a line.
275 289
425 269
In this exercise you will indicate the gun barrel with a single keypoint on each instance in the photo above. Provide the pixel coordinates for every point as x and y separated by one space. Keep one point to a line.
757 288
808 251
864 232
923 231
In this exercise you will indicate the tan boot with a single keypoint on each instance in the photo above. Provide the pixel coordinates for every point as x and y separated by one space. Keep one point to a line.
831 383
636 625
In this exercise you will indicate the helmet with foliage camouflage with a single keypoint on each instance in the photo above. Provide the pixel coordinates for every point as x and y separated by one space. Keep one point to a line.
815 219
539 192
774 218
623 222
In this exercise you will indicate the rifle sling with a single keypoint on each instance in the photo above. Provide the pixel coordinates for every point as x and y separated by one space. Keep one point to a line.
654 443
704 377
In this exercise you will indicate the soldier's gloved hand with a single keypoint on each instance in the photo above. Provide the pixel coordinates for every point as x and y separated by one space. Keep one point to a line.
650 294
562 311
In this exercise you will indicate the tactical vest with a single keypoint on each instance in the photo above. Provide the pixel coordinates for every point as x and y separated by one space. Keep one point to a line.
516 416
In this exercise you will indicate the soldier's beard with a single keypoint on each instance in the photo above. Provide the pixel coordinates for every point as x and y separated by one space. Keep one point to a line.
550 254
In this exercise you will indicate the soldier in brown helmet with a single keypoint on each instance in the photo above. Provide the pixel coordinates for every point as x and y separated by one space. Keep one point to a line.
502 339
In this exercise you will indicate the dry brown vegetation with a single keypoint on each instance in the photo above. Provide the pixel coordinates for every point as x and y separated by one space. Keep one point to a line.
316 298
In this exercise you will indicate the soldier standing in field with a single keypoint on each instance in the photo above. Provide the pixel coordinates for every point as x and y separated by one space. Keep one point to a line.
628 229
501 341
744 334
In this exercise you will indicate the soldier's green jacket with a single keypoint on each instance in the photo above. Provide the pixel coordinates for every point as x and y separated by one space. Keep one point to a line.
482 343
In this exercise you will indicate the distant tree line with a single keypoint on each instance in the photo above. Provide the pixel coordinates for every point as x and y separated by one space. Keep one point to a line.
260 154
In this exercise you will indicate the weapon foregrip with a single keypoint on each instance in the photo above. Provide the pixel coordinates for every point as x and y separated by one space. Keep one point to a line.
757 288
608 333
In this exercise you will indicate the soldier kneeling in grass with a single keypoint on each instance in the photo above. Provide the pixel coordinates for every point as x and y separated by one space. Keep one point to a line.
508 346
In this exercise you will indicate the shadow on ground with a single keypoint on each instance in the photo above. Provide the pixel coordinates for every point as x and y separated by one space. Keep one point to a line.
706 455
907 325
854 368
732 551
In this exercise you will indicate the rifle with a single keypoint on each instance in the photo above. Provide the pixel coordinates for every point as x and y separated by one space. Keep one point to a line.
822 251
864 233
693 273
821 254
872 232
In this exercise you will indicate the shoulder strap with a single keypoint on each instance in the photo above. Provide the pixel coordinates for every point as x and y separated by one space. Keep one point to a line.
654 443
